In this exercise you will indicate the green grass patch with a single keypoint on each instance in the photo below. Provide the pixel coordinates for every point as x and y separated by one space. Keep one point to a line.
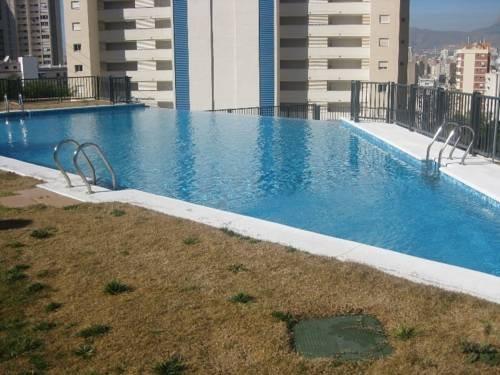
285 317
53 306
191 240
72 207
115 287
94 331
484 353
39 363
16 344
232 233
405 333
16 273
41 234
44 326
36 288
117 213
242 298
85 351
15 245
172 366
237 268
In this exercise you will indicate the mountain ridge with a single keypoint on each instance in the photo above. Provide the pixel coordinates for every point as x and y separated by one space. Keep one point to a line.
425 39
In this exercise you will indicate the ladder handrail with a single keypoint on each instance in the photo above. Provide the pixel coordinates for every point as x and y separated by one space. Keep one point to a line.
452 133
6 100
467 151
21 102
104 159
433 141
61 168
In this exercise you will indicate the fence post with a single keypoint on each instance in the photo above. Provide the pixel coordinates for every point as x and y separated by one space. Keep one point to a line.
128 93
495 133
111 90
355 105
390 102
476 117
412 106
316 112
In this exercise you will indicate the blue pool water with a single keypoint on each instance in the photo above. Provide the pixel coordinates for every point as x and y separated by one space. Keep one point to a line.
319 176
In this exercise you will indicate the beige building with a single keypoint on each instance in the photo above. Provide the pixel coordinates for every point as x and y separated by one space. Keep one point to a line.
325 44
31 28
473 63
117 38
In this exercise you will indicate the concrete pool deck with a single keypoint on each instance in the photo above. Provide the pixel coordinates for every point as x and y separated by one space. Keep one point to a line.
479 173
412 268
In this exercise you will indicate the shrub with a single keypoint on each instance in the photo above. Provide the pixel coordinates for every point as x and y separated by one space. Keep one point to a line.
287 318
405 333
85 351
53 306
242 298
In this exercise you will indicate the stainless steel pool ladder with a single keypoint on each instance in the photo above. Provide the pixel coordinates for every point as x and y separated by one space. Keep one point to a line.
21 102
458 129
80 149
6 101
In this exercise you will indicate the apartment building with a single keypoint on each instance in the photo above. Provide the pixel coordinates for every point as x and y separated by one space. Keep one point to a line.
31 28
213 54
325 44
224 50
473 64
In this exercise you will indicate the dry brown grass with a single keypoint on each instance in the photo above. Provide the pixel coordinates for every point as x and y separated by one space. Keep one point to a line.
10 183
179 302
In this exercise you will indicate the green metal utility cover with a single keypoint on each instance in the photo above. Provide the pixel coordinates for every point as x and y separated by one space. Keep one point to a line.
349 338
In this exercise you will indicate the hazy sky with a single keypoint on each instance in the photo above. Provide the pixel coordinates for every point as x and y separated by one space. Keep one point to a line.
462 15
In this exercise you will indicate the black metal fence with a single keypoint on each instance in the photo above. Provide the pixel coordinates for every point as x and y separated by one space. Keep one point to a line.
424 110
297 111
114 89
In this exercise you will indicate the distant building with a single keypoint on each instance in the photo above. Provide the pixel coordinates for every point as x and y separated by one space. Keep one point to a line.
27 68
473 63
492 84
31 28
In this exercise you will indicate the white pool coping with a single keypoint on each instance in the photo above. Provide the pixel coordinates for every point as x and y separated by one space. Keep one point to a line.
412 268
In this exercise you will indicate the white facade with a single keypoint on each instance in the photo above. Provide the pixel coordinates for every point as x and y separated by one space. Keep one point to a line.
218 54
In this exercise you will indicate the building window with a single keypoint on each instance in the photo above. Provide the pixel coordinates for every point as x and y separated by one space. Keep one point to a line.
385 19
77 47
383 65
383 42
76 26
78 68
75 4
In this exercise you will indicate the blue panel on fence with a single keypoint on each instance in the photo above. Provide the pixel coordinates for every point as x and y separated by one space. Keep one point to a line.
181 57
266 52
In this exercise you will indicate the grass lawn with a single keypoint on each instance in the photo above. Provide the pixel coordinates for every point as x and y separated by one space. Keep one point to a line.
115 289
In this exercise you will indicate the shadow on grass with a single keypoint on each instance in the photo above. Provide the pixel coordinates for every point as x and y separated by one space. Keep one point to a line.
14 224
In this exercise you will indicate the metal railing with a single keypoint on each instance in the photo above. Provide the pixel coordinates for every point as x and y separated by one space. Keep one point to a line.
113 89
424 110
334 111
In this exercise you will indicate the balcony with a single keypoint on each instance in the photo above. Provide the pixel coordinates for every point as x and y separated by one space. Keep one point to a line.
135 34
137 55
339 30
291 9
294 75
339 53
293 53
113 15
144 75
293 31
339 8
339 74
330 96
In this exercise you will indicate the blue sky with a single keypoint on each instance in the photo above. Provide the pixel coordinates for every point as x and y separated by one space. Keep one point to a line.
462 15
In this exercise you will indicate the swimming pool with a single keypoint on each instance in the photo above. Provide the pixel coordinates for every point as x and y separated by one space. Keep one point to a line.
320 176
